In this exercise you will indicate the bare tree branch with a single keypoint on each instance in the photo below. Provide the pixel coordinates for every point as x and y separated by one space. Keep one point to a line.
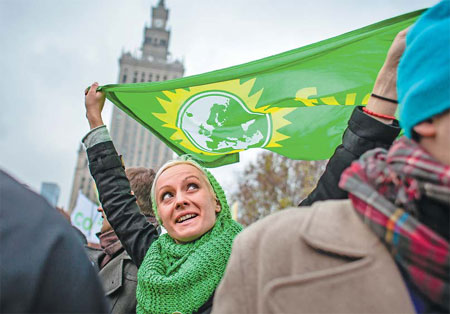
274 182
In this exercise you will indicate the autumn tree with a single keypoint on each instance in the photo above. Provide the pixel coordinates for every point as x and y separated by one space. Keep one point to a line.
274 182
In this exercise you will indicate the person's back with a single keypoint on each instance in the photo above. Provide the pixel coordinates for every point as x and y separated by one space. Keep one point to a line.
318 259
43 266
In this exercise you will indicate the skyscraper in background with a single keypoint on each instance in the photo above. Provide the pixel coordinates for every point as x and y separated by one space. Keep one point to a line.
136 144
50 191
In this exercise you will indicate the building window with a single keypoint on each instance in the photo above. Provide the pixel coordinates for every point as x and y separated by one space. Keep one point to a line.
124 77
89 186
157 77
125 140
162 42
143 77
165 78
169 154
132 146
156 152
150 76
135 76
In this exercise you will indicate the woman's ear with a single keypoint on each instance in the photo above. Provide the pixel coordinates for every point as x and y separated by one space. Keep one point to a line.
218 207
425 129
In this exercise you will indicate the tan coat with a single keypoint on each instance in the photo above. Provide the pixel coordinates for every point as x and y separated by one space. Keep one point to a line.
318 259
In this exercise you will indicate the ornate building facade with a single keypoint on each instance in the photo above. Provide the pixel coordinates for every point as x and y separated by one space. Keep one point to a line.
135 143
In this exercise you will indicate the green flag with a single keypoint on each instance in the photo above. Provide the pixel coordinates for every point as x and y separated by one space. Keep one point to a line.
296 103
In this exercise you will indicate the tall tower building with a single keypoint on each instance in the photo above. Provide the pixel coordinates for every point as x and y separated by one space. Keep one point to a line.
138 147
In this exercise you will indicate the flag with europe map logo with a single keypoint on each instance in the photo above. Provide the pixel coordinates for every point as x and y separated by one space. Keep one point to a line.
296 103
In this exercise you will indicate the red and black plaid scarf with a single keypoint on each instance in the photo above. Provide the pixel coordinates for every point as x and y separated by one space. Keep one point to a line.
384 188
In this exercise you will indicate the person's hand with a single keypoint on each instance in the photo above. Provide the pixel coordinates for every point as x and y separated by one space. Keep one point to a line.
94 102
395 51
386 82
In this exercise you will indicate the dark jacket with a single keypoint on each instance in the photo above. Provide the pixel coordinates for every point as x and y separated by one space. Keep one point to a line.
119 279
363 134
43 266
132 228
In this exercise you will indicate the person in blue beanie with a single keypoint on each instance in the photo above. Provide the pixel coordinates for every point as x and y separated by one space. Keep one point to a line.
385 248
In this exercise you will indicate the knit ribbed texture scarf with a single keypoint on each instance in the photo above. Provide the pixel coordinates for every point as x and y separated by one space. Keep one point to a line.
384 188
182 277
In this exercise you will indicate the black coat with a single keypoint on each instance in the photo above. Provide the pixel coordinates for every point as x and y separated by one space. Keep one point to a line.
43 266
362 134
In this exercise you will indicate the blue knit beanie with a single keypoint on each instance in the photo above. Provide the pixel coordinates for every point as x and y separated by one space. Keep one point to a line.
423 82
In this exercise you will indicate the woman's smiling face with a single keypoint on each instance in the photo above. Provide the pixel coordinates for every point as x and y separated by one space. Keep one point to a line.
185 202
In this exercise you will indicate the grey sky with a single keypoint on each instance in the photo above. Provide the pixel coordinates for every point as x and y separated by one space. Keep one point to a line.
53 49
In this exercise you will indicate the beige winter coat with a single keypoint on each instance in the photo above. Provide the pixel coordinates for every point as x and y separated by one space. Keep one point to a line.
318 259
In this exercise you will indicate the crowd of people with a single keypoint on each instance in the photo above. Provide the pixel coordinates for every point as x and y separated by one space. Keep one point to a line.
373 236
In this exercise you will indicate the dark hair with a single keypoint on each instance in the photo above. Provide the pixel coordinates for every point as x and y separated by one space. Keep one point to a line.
415 136
141 180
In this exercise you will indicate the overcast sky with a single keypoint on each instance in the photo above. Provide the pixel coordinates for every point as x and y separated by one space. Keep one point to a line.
52 49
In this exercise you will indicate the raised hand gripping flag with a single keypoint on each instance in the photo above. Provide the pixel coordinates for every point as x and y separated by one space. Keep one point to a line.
296 103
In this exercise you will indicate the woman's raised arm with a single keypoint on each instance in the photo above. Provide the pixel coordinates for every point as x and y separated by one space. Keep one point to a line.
119 204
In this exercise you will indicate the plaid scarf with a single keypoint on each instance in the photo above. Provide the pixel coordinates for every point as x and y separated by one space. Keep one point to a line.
384 188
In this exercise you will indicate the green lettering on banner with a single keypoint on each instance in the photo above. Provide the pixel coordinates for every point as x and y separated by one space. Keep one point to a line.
89 223
83 222
77 222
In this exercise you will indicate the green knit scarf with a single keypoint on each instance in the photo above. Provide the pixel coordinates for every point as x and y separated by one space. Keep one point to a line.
182 277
